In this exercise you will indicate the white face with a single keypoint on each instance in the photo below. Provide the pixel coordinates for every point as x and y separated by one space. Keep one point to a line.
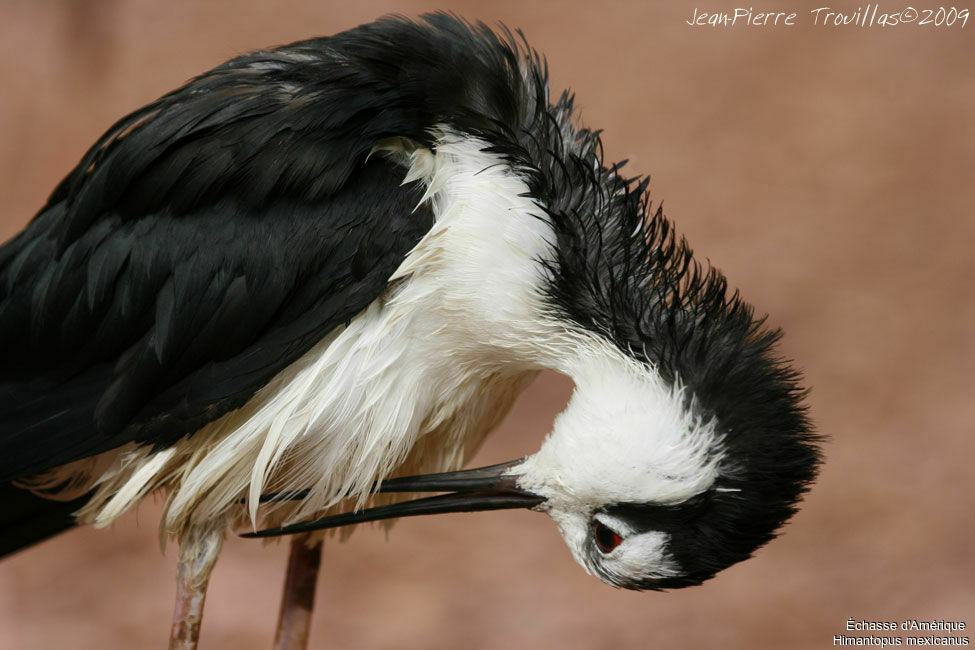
613 550
624 438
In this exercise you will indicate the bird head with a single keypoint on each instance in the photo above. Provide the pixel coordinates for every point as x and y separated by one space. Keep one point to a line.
650 488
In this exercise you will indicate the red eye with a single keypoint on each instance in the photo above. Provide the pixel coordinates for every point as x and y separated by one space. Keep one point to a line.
606 538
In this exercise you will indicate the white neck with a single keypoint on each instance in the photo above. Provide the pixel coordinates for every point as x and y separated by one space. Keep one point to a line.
640 440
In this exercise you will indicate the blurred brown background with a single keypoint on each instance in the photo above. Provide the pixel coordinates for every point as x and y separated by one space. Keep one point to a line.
827 171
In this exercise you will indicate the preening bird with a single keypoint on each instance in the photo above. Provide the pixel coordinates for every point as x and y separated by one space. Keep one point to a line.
312 279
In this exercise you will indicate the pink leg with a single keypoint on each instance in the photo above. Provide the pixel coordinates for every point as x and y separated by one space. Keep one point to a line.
198 551
298 600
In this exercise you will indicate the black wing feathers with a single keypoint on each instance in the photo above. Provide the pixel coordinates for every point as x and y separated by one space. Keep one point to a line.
167 323
212 237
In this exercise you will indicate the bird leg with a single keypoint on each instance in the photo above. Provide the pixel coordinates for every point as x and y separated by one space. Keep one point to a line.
298 600
198 551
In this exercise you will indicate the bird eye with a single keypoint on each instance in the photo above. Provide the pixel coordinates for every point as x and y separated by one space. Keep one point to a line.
606 538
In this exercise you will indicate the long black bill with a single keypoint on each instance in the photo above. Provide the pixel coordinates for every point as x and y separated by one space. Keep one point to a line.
471 490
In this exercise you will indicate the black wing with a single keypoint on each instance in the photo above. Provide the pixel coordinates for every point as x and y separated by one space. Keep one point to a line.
212 237
146 328
202 245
